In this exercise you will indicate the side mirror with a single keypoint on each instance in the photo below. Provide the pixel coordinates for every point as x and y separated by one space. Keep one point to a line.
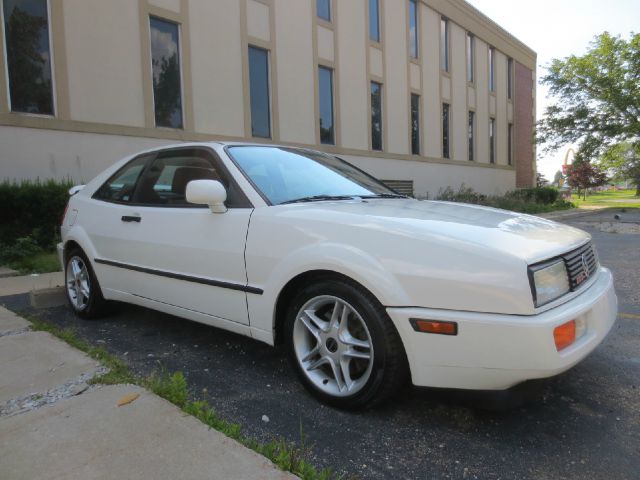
207 192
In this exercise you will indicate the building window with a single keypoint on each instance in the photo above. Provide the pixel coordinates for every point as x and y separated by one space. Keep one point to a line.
374 20
325 97
413 28
165 64
492 140
445 130
444 44
510 78
510 145
259 92
323 9
471 58
492 69
376 116
26 28
471 132
415 124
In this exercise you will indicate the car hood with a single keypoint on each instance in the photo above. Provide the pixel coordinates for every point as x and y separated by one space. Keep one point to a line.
527 237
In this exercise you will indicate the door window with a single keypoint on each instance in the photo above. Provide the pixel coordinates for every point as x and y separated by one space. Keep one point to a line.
120 187
164 181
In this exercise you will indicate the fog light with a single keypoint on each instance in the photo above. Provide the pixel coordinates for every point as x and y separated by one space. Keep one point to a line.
434 326
565 335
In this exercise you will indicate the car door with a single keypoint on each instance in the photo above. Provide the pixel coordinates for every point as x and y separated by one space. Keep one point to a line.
175 253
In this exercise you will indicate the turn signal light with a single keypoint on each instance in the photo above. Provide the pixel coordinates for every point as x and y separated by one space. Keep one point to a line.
434 326
565 335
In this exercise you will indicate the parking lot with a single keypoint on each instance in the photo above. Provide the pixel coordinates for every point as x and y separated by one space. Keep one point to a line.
582 424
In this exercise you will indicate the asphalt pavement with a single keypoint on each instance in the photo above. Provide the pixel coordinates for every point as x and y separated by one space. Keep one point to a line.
583 424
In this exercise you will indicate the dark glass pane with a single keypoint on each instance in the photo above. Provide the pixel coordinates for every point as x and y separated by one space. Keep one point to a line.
165 61
415 124
413 28
444 44
492 70
26 27
492 141
324 9
120 187
445 130
374 20
510 78
510 145
471 135
325 95
376 116
259 92
471 61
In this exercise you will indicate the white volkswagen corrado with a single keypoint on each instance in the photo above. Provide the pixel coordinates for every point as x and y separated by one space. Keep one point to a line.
365 287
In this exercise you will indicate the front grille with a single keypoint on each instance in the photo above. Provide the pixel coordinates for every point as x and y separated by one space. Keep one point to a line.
581 264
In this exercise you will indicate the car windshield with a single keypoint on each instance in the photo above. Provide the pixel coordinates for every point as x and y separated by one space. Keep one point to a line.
288 175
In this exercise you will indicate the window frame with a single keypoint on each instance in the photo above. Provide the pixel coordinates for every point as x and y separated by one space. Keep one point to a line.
510 78
492 70
377 40
445 57
330 7
471 58
180 67
215 160
416 41
52 67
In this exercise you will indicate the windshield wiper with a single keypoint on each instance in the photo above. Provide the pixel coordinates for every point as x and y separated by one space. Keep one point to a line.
318 198
384 195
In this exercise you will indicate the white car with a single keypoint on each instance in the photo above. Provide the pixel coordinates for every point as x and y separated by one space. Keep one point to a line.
365 287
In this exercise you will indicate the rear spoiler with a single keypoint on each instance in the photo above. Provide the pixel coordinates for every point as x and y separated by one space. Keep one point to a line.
75 189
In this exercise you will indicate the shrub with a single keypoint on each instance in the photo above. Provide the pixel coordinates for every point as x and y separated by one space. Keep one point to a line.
32 209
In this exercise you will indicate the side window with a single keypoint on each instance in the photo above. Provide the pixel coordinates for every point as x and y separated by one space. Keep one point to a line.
164 182
120 187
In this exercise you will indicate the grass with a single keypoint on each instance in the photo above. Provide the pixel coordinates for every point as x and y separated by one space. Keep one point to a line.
174 388
43 262
614 199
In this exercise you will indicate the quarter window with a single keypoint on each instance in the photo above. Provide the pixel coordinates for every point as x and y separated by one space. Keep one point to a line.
325 85
26 29
259 92
120 187
376 116
167 81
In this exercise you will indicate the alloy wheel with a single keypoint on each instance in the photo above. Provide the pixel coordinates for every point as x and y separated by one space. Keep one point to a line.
78 283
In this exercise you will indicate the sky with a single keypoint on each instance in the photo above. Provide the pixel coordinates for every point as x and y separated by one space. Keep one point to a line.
557 29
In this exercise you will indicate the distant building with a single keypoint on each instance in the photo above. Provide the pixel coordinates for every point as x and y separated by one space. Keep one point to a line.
421 93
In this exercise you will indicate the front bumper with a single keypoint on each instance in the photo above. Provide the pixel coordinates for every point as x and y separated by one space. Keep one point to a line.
496 352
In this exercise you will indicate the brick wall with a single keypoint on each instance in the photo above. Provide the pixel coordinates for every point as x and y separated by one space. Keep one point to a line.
524 150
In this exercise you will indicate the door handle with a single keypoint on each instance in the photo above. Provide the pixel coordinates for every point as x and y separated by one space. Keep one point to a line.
131 218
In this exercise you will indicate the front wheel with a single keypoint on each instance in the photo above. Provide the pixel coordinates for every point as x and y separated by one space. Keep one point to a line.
82 287
343 345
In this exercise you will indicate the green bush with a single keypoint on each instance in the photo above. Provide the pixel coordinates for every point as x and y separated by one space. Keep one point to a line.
526 200
32 209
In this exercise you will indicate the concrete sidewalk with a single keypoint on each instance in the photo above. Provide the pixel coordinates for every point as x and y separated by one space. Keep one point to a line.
54 425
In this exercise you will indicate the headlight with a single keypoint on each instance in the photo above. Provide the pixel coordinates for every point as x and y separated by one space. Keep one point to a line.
548 282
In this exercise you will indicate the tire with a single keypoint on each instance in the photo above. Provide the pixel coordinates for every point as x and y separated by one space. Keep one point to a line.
82 289
343 345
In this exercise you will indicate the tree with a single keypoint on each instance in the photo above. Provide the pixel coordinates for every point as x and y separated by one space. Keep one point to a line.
541 181
598 98
558 179
623 162
583 175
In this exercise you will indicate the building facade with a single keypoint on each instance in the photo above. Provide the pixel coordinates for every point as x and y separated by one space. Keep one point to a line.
421 93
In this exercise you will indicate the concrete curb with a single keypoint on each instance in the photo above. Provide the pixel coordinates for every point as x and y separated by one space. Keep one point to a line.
47 297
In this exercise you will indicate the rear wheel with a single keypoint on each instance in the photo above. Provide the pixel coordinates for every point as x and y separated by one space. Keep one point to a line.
82 287
343 345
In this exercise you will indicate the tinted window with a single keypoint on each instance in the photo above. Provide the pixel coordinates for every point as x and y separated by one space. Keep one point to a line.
471 128
120 187
415 124
492 140
376 116
26 27
374 20
165 60
323 8
325 97
285 174
164 182
413 28
445 130
510 145
259 92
